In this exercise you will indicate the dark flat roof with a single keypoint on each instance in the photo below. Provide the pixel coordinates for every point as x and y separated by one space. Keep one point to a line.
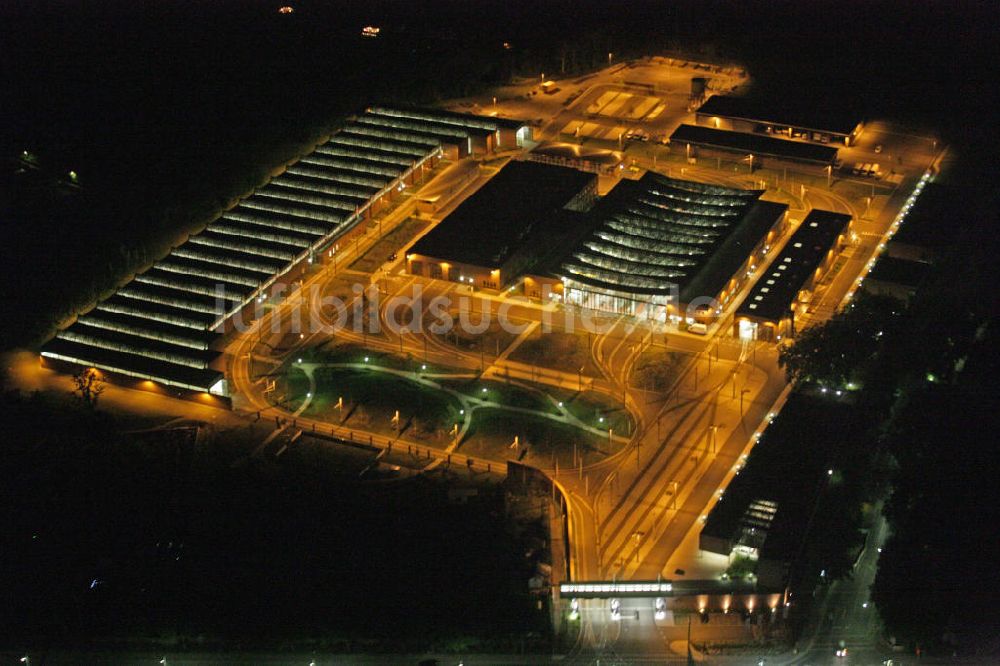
899 271
787 466
497 219
821 118
773 293
755 144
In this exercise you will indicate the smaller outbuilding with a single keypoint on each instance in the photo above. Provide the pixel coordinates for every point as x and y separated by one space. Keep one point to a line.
815 122
784 291
696 141
899 278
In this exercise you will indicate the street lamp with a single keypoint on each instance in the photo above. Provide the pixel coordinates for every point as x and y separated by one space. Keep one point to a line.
713 429
638 543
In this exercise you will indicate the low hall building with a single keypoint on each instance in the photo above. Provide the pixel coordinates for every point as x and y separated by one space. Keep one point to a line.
783 293
819 124
494 236
165 329
697 141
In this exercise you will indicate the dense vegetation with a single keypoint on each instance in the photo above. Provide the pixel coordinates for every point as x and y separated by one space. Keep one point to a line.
927 374
112 538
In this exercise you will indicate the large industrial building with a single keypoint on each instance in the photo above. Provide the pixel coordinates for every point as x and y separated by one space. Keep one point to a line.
817 123
783 293
661 247
495 235
654 248
166 325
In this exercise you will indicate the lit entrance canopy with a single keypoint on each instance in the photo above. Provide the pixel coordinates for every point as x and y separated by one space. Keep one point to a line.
606 589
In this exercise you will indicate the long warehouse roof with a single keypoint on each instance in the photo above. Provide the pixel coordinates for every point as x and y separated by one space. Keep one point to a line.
755 144
821 118
160 325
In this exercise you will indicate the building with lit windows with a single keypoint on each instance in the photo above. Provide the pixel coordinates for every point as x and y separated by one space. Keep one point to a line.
782 295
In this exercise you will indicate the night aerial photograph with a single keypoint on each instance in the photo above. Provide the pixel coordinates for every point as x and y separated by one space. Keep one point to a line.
499 332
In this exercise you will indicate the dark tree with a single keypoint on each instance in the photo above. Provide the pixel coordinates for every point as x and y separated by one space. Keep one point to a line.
89 385
843 349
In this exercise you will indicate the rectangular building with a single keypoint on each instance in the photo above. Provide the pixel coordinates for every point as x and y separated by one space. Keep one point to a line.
894 277
164 330
764 514
488 240
696 141
783 293
816 123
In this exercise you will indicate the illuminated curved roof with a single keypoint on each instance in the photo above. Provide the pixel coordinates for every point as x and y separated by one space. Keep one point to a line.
659 234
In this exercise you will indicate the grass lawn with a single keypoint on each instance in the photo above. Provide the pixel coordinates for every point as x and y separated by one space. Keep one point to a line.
371 399
591 407
512 395
493 432
657 370
567 352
